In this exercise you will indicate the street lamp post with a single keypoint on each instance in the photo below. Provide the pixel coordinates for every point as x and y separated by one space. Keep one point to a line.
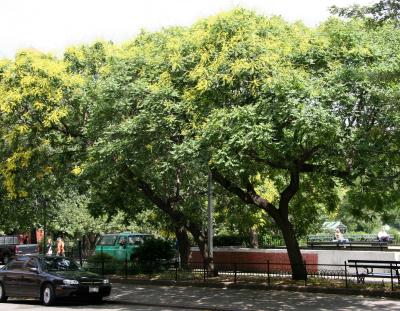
210 211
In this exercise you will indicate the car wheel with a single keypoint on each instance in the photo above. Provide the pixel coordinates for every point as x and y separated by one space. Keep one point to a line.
48 296
3 297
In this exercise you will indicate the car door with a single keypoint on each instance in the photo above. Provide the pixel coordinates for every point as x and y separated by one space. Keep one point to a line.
107 245
30 279
13 277
120 252
134 241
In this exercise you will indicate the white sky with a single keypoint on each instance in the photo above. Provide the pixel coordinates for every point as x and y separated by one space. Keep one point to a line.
51 25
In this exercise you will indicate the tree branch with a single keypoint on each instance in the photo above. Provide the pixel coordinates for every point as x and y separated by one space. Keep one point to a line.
228 185
249 196
289 192
312 168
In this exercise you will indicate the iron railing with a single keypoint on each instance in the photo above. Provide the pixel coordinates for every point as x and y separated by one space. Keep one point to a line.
267 273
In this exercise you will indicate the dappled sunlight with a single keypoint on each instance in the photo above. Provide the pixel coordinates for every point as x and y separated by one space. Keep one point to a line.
245 299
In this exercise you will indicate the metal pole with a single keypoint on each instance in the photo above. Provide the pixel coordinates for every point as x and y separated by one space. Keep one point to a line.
391 275
126 263
44 241
210 211
235 270
102 261
80 252
204 271
176 270
305 279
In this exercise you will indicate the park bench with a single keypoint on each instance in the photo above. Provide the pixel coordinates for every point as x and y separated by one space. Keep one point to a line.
375 269
354 237
350 245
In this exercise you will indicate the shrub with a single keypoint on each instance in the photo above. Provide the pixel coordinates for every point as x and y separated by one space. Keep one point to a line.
102 263
154 254
229 240
100 257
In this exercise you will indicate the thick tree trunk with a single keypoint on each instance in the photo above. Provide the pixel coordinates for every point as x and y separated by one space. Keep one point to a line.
279 215
89 243
183 246
201 242
299 271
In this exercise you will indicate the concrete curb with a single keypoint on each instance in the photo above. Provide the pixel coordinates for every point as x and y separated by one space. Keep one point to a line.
308 289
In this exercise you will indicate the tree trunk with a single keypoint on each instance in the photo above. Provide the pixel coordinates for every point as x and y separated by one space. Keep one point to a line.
280 215
176 216
183 246
201 242
90 243
253 238
299 271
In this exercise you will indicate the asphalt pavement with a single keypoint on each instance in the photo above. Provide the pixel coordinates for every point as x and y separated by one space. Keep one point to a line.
174 298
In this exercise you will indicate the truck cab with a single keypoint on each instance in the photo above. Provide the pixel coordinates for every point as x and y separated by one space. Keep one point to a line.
10 246
121 246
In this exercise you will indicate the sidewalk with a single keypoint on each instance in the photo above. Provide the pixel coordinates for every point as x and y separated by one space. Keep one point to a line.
219 299
372 292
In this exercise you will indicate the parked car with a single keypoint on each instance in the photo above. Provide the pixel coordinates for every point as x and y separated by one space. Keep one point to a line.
49 278
121 246
10 247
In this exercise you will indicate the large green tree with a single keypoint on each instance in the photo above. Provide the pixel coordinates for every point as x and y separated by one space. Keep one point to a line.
37 95
299 107
138 118
43 115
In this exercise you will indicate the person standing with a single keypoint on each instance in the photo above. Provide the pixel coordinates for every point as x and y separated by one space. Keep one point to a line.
60 247
49 247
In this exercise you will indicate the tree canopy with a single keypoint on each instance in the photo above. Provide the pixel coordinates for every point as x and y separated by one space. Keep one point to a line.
284 116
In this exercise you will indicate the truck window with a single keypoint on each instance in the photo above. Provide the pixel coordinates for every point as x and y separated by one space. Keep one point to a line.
135 240
107 240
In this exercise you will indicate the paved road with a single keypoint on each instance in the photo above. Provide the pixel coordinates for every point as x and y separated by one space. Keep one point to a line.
167 298
26 305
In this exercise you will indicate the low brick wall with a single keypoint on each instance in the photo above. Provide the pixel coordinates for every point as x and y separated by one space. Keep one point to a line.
254 260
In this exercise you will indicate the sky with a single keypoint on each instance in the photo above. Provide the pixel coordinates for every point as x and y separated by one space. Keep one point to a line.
53 25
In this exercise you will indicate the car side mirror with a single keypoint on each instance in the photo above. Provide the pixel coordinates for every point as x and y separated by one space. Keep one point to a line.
35 270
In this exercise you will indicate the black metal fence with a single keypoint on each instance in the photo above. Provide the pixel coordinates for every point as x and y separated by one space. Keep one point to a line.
263 273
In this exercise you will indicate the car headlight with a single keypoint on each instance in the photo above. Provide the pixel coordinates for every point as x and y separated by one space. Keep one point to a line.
106 281
70 282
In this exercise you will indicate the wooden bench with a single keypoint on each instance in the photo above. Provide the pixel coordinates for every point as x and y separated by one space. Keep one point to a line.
352 245
375 269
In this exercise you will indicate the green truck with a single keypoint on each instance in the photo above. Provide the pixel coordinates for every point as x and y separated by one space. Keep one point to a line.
121 246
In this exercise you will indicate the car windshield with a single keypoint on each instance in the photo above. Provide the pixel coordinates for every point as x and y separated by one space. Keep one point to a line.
59 264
